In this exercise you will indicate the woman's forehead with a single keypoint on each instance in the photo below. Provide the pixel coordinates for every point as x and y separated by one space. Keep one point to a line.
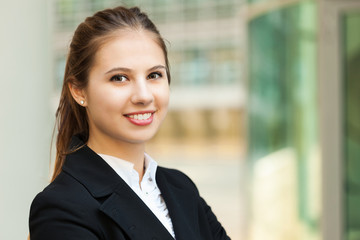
131 50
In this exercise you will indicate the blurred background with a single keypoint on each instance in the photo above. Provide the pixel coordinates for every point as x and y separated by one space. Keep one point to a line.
264 113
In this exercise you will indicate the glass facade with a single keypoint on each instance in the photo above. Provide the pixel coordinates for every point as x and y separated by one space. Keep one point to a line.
351 50
282 130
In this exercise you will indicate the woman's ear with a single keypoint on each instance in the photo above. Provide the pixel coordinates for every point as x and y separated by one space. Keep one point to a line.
78 94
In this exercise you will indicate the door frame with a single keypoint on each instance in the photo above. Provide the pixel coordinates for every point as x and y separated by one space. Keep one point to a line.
331 95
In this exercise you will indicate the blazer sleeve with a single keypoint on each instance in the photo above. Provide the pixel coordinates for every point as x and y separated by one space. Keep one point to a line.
56 219
217 230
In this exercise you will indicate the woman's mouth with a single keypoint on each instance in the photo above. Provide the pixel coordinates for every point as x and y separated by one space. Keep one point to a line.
140 119
140 116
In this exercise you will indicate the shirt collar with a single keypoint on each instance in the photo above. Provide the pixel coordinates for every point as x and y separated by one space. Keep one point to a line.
150 167
126 171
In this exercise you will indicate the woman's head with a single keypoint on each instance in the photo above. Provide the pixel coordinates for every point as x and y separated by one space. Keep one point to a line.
88 40
97 30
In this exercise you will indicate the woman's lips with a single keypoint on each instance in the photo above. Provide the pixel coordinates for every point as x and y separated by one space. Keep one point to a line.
140 118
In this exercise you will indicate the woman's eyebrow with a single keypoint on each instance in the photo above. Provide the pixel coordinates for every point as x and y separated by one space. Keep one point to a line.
122 69
157 67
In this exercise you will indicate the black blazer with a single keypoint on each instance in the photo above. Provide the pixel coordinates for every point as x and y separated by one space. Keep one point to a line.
89 201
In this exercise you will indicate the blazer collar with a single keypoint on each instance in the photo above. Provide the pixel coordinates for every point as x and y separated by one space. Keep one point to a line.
121 204
182 206
90 169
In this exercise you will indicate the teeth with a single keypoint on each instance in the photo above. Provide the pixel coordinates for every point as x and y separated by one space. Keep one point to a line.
140 116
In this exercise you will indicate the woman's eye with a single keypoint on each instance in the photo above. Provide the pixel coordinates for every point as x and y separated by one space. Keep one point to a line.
154 75
118 78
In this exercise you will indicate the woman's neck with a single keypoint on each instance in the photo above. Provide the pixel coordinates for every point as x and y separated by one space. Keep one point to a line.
131 152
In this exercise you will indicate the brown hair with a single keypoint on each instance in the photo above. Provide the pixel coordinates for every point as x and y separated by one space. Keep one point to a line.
89 36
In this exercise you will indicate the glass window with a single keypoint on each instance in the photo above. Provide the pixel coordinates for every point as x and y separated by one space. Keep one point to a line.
282 123
207 65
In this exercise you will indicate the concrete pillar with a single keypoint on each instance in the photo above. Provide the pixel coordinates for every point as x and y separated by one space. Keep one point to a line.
25 113
331 107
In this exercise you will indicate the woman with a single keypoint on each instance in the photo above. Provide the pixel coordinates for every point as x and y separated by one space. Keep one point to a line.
114 98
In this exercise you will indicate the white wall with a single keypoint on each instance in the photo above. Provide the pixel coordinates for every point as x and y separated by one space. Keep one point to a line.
26 119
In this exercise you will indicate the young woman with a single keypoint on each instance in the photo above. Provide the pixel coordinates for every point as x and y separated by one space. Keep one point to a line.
114 98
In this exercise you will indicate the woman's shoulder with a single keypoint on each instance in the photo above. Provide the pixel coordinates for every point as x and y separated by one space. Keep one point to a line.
62 208
171 172
177 177
63 190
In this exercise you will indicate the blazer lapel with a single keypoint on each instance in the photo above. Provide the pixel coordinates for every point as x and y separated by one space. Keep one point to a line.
133 216
122 204
182 206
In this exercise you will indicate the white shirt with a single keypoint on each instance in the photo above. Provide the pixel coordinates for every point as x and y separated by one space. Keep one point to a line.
147 190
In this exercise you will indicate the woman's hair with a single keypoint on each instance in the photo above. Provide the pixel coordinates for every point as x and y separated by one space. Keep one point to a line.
90 35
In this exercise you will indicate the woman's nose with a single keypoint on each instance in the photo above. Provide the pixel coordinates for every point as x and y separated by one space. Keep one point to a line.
141 94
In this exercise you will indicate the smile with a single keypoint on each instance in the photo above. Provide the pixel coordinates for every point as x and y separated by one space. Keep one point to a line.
140 118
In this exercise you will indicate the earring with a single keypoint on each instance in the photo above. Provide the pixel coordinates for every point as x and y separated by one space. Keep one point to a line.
82 102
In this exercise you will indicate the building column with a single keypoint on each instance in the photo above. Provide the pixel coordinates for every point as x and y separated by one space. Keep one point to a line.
331 99
25 113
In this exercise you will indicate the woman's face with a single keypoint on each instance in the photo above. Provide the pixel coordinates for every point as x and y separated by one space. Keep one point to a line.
128 92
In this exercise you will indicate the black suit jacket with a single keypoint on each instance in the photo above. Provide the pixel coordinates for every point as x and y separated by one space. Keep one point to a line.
89 201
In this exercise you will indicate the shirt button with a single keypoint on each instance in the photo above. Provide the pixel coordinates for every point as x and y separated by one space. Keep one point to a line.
150 180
